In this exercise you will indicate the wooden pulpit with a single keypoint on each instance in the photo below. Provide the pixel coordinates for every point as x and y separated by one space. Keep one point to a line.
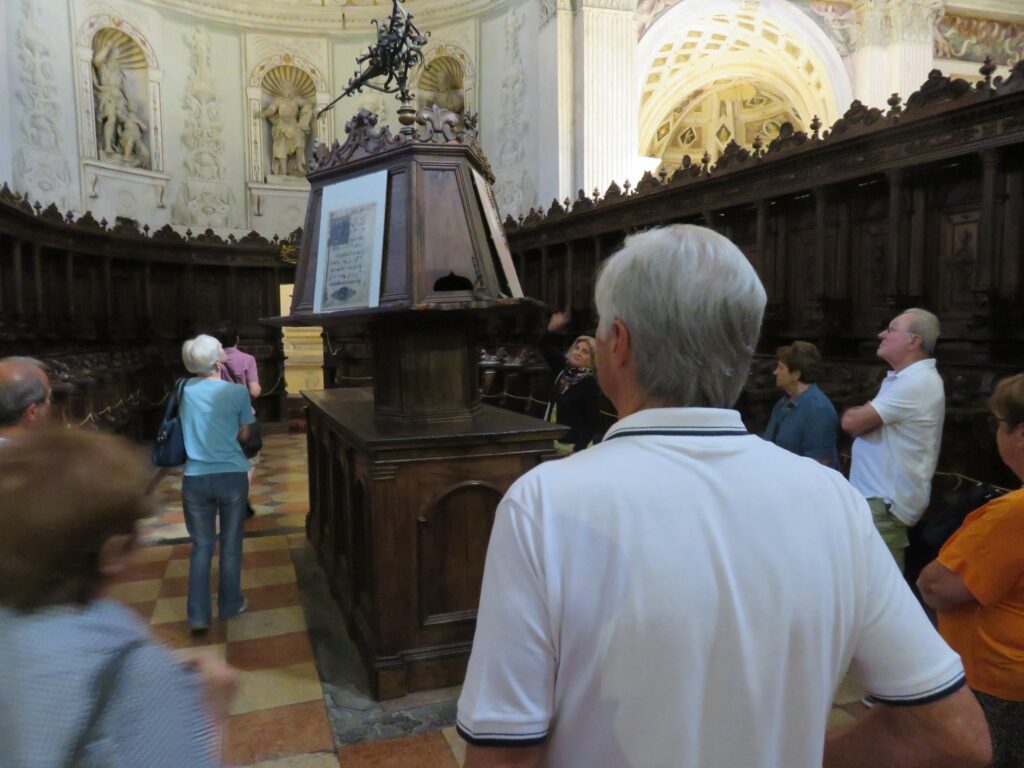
402 237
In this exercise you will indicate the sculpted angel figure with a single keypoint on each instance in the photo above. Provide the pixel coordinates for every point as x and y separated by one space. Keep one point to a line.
133 148
289 115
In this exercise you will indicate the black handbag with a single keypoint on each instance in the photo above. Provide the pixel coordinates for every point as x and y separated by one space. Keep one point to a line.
254 443
169 446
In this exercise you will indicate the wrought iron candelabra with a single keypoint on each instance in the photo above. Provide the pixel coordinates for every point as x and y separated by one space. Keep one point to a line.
398 49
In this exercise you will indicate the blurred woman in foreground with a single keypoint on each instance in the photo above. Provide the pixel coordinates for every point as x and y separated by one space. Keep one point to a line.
82 683
976 585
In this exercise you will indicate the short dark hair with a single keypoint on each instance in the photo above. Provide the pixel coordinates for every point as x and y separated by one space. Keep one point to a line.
801 356
65 492
1007 401
226 333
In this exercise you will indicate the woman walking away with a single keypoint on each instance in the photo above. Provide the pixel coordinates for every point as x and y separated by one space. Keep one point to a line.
215 417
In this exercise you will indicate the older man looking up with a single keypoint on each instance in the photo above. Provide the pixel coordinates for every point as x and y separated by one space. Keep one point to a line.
662 599
24 396
899 431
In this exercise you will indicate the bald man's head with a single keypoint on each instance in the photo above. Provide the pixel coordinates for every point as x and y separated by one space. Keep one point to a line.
24 393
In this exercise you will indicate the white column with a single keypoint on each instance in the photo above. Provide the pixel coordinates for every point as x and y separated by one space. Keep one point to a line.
913 23
605 93
555 101
894 47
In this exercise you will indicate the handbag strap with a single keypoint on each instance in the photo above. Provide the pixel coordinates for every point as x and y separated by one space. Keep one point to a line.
103 688
174 404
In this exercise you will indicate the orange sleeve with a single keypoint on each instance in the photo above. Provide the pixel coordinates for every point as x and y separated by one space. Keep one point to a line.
988 549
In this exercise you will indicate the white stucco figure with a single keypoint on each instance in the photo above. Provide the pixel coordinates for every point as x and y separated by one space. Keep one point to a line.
129 136
111 101
289 115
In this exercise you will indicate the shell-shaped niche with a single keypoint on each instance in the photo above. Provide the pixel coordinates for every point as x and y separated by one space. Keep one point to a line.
286 79
442 82
125 51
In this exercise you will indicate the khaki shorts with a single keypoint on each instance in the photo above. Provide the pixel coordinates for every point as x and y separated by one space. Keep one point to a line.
892 530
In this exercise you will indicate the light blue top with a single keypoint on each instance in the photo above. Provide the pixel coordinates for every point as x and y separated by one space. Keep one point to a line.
51 662
211 413
807 425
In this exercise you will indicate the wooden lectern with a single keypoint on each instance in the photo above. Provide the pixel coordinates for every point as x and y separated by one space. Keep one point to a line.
404 481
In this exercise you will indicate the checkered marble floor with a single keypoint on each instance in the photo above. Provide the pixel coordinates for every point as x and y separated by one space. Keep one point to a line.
279 493
279 717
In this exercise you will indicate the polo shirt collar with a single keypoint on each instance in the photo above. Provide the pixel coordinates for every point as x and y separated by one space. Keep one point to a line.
697 422
920 365
795 402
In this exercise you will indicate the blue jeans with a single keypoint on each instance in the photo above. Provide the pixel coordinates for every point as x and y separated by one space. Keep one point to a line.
203 497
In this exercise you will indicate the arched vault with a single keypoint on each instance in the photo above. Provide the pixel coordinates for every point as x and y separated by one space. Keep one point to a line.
712 71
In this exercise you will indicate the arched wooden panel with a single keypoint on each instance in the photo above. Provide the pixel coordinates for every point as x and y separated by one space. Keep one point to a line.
452 534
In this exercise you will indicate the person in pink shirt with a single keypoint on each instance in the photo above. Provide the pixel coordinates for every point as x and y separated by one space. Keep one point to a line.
239 368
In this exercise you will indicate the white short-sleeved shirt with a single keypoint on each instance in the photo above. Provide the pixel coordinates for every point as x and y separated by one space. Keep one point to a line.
687 594
896 461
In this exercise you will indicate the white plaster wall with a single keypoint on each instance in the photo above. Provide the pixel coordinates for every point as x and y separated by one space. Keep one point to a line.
7 68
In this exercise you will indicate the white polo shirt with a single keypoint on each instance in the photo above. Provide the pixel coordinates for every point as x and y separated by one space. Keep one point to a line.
896 461
687 594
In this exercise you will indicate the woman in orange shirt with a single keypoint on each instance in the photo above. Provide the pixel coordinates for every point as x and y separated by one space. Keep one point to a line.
976 585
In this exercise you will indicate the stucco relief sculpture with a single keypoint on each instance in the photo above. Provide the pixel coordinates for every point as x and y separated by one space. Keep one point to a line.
204 200
40 168
119 128
513 187
289 113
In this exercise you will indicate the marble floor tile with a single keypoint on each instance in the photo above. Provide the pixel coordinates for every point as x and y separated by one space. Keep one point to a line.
143 571
268 652
135 591
268 734
174 587
176 569
266 558
277 687
152 554
178 635
168 610
316 760
185 654
262 577
422 750
263 543
144 610
273 596
275 621
455 744
838 719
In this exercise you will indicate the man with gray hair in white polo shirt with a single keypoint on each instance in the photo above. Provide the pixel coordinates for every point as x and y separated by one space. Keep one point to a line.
898 432
685 593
